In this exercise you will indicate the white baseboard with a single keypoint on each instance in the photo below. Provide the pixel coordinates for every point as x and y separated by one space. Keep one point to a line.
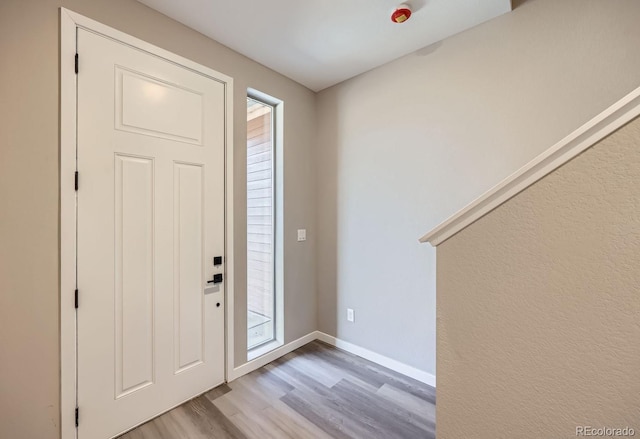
387 362
271 356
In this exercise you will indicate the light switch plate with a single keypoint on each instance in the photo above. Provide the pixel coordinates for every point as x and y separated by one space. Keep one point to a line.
351 315
302 234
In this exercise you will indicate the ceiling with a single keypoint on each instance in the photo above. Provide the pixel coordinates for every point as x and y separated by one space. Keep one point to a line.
323 42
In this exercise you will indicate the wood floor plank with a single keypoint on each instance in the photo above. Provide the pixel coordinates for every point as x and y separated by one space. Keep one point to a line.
137 433
297 380
333 422
282 413
210 421
328 376
256 426
153 429
412 403
179 423
145 431
159 428
162 427
311 397
266 377
262 388
319 359
405 383
244 400
352 364
227 407
386 415
218 392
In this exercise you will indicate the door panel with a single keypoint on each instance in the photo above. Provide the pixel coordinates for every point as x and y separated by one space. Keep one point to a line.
134 273
150 220
188 236
147 105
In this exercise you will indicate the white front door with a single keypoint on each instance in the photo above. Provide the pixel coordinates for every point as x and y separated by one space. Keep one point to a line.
150 222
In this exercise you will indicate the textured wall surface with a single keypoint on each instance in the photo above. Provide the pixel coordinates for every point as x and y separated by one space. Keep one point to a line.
403 147
539 305
29 187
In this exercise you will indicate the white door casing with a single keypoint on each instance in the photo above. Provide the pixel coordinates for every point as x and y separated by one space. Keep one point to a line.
151 138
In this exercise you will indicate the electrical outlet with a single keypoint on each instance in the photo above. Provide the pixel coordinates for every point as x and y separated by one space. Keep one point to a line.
302 234
350 315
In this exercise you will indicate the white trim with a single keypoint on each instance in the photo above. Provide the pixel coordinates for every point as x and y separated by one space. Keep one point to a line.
67 225
69 22
271 356
575 143
261 350
229 232
278 197
387 362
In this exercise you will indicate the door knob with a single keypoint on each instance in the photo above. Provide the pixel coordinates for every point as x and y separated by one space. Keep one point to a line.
217 278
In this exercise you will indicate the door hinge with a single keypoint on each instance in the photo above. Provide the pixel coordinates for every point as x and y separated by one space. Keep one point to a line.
76 63
77 416
76 180
75 301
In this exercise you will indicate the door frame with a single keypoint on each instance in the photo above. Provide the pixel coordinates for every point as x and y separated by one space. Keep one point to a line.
69 23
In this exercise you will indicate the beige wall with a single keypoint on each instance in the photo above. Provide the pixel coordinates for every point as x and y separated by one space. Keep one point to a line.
404 146
539 304
29 220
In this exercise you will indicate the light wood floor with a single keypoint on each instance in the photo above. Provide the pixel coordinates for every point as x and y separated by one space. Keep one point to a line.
315 392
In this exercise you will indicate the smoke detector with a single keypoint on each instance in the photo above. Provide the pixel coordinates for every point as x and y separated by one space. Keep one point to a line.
401 13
